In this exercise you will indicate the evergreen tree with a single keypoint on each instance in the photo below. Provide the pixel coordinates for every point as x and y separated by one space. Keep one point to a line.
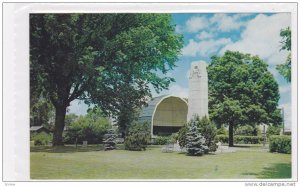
209 131
195 142
110 140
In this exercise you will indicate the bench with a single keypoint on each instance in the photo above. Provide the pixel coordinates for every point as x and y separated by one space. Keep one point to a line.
168 148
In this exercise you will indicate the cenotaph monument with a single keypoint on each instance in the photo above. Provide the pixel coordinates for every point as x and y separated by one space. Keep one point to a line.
198 90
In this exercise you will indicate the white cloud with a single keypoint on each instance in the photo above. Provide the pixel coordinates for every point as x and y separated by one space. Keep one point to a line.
204 35
261 37
221 22
273 70
226 23
178 29
196 23
78 107
283 89
177 90
204 48
287 115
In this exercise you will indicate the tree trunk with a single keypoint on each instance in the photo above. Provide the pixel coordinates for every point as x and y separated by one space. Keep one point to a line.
230 140
59 125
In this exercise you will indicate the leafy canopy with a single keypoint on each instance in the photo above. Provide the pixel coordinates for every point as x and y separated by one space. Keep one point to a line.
101 58
108 60
285 68
242 90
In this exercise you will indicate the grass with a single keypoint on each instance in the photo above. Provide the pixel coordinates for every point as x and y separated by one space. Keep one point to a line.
93 163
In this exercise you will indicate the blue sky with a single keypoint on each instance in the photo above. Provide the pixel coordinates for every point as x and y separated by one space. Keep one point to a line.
212 34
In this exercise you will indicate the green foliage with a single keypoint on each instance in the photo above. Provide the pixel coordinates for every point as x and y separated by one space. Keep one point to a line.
273 130
280 144
208 130
242 91
109 140
41 113
222 131
248 139
240 139
182 136
41 138
195 142
286 35
138 137
285 68
161 140
248 130
104 59
222 138
173 138
69 119
89 128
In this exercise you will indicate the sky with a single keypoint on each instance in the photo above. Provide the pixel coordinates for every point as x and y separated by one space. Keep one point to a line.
212 34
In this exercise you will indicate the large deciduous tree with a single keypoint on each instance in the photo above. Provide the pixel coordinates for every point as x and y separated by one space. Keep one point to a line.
105 59
285 68
242 91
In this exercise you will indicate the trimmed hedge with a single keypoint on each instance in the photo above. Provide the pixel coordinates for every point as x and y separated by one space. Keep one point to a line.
241 139
248 139
41 138
280 144
222 138
161 140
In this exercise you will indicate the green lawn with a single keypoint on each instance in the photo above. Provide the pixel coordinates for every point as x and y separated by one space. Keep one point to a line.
94 163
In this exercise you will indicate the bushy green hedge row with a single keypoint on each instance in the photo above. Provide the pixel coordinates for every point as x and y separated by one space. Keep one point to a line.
241 139
41 138
280 144
161 140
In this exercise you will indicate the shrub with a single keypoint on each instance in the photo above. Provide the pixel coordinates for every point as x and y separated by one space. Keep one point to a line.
138 136
240 139
209 131
257 131
246 130
161 140
222 138
182 136
222 131
195 142
87 128
248 139
109 140
280 144
273 130
41 138
173 138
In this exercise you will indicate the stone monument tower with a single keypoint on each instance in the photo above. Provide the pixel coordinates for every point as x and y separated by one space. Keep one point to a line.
198 90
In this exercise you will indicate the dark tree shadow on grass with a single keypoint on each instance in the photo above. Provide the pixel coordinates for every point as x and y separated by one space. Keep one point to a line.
70 148
276 171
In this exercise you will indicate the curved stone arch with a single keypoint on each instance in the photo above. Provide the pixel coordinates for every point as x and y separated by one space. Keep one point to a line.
171 111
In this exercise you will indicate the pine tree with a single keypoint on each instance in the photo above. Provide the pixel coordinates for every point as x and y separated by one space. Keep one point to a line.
195 142
109 141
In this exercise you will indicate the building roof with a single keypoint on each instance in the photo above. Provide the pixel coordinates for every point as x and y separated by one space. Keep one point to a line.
35 128
148 111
